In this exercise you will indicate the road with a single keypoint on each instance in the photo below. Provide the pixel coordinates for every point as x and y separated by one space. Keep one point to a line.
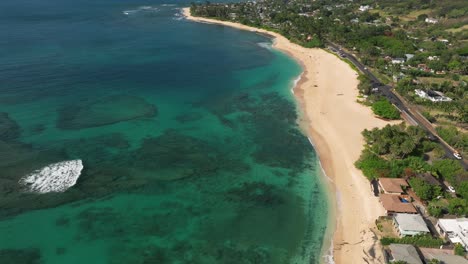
413 115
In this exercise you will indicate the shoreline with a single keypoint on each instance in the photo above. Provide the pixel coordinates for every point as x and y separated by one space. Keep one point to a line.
332 119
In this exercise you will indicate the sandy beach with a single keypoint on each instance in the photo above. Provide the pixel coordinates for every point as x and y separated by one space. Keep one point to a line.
327 94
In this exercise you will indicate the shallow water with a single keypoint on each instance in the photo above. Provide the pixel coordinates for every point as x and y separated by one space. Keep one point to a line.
187 133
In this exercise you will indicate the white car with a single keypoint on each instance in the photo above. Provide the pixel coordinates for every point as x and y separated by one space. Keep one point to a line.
457 155
451 189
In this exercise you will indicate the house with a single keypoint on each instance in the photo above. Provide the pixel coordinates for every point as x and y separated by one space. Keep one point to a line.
410 225
364 8
445 256
392 185
431 20
409 56
434 96
398 60
456 230
396 204
403 252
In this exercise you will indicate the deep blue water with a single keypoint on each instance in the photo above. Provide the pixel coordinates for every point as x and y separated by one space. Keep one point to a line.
187 133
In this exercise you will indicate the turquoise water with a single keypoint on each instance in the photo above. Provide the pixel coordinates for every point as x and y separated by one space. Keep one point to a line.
187 133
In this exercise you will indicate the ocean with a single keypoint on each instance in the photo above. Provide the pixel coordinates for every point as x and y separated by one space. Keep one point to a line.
187 134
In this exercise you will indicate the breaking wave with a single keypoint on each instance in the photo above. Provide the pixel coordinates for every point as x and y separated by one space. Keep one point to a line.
266 45
56 177
141 9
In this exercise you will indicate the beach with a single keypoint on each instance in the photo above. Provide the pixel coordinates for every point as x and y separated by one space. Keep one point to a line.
333 120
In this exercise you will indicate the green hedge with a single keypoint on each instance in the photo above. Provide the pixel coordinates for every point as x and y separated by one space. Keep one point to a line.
422 241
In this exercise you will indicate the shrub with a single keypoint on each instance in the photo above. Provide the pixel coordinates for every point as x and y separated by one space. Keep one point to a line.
422 241
385 109
459 250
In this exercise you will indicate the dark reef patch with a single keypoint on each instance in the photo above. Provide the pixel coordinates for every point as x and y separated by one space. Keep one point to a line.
173 156
105 111
9 129
256 194
188 117
20 256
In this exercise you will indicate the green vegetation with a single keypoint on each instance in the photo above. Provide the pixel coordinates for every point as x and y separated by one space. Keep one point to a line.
458 207
459 250
454 137
425 190
392 151
385 109
450 170
422 241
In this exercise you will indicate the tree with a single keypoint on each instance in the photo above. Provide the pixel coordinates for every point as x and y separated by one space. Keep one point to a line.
462 189
424 190
435 211
458 207
448 169
385 109
459 250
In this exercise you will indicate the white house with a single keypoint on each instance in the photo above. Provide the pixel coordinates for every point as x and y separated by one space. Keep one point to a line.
434 96
456 230
364 8
431 20
398 60
410 225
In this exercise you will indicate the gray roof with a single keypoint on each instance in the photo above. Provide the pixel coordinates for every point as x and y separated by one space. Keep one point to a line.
406 253
411 222
451 259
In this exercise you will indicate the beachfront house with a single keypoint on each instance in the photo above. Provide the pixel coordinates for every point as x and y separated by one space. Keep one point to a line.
394 204
404 253
410 225
456 230
445 256
392 185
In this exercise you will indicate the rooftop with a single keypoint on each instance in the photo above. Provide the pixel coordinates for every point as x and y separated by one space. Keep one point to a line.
411 222
392 185
446 256
407 253
392 203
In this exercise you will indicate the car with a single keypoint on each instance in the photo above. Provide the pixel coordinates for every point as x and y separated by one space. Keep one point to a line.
457 155
451 189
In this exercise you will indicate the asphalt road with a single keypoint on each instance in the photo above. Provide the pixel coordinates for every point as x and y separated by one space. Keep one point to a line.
386 91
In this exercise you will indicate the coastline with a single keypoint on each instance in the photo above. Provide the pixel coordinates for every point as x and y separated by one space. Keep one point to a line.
333 121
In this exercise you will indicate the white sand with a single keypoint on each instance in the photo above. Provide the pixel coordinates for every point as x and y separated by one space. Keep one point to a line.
327 93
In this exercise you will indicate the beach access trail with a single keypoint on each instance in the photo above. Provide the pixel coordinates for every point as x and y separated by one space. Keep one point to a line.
333 119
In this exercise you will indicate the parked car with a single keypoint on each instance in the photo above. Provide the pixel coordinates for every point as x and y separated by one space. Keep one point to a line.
451 189
457 155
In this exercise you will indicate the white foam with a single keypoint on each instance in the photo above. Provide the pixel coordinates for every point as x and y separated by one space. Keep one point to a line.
295 82
328 257
144 9
266 45
56 177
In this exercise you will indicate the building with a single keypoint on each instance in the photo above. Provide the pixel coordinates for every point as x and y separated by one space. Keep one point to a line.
445 256
392 185
431 20
364 8
410 225
456 230
403 252
434 96
398 60
394 204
